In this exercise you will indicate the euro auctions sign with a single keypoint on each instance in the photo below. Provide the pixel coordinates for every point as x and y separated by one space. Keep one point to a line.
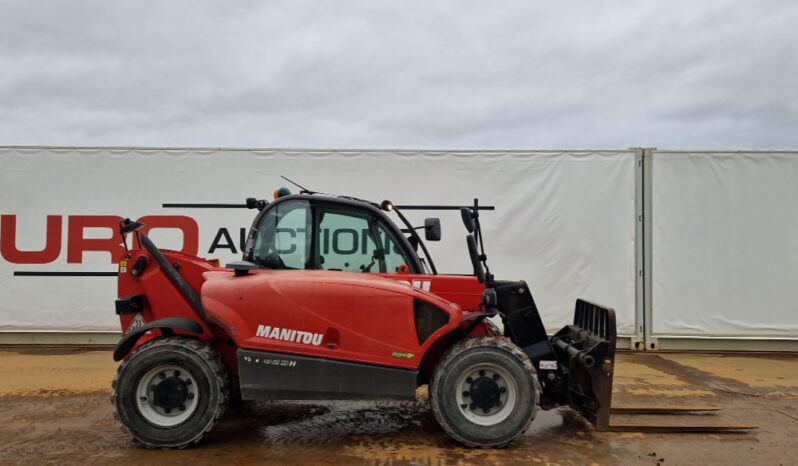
75 243
60 210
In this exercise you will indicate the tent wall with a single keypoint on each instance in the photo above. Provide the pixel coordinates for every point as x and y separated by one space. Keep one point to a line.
565 221
724 249
694 250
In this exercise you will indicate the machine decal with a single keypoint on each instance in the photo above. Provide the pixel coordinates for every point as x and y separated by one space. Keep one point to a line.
548 365
138 321
403 355
422 285
287 334
270 362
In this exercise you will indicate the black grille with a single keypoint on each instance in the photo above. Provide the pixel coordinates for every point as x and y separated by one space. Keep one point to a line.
429 319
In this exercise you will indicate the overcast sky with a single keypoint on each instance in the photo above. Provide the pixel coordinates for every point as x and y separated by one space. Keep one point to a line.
402 74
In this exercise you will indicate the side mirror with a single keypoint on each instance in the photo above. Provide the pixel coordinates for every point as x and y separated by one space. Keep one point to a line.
432 229
474 253
468 219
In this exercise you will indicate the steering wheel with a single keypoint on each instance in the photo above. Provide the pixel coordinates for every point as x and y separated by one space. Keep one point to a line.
367 268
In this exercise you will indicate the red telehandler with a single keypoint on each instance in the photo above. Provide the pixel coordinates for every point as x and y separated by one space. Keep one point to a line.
332 301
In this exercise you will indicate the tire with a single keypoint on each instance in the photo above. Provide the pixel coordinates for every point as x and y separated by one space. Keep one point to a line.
485 392
170 392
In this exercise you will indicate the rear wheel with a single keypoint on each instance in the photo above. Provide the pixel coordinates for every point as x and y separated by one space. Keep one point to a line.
485 392
170 392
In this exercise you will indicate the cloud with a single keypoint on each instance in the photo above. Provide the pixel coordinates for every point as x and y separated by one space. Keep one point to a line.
445 75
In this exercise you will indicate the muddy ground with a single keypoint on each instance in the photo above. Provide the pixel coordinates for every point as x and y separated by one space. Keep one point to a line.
54 408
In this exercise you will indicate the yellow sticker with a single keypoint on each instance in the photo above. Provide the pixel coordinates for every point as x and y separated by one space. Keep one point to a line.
122 266
403 355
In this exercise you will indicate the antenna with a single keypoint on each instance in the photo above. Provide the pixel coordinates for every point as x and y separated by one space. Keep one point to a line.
303 189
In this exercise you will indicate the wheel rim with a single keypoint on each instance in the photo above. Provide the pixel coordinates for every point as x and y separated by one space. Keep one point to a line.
486 394
167 395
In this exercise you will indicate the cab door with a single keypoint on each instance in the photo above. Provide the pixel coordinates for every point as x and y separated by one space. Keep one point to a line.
373 316
319 277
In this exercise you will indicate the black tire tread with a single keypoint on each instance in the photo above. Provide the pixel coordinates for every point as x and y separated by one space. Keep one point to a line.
502 343
204 351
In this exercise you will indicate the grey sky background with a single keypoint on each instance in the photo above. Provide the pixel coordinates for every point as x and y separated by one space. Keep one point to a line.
409 74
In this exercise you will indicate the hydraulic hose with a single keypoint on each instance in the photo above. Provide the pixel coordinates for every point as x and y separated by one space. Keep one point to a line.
173 275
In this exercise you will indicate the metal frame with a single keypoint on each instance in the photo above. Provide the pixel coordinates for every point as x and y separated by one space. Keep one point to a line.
60 338
647 223
638 341
739 344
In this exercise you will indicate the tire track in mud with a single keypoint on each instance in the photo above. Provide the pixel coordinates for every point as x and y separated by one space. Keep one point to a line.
346 419
697 377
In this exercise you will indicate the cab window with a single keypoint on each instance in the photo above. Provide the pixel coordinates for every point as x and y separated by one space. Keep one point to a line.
347 241
282 240
356 241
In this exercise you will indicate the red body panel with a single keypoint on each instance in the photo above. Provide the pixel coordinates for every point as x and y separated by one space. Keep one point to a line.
162 300
463 290
357 317
360 317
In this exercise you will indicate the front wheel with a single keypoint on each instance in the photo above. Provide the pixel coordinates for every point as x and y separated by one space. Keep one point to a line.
170 392
485 392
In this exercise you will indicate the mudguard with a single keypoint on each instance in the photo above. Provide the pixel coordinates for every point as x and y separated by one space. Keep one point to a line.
166 326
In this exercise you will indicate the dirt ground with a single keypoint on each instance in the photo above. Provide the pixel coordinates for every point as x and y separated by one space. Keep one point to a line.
54 408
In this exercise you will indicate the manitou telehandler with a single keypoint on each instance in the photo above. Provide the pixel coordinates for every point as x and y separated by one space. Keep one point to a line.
332 301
